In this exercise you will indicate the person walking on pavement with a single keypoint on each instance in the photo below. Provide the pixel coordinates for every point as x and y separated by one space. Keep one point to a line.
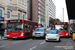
71 30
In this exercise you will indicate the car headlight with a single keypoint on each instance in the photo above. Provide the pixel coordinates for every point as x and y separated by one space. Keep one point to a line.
42 33
47 36
57 35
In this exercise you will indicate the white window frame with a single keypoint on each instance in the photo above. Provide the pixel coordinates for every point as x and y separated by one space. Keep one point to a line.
24 15
20 14
2 12
10 14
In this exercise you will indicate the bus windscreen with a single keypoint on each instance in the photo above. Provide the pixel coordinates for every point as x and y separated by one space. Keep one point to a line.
61 27
15 27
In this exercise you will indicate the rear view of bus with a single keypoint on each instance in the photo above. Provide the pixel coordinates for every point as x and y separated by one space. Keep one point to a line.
15 29
62 27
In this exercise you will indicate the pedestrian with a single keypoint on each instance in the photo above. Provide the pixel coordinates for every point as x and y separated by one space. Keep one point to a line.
71 31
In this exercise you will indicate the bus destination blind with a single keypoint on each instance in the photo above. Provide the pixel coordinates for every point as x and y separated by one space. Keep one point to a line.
12 21
61 23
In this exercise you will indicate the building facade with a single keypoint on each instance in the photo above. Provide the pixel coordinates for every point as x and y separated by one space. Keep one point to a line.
13 9
50 11
36 11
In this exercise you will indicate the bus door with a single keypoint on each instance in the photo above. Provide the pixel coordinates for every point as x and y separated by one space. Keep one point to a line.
26 30
30 29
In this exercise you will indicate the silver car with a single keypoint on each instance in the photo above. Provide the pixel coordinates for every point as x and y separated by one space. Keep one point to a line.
38 32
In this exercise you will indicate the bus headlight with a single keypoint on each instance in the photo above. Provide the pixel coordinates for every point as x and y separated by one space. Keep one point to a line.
7 35
22 34
67 34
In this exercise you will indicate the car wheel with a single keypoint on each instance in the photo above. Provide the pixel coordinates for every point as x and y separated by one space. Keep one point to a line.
59 40
46 40
32 37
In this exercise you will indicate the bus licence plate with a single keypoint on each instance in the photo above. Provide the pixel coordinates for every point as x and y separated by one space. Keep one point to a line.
61 35
14 37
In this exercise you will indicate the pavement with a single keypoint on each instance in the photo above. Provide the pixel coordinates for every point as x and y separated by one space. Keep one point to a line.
1 38
37 44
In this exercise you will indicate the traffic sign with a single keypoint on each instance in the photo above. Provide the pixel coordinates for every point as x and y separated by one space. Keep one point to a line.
1 18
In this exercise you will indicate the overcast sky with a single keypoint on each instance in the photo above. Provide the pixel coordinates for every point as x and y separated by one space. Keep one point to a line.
59 11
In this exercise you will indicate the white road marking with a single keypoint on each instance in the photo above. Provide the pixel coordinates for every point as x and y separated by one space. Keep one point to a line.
2 46
32 47
67 44
21 41
17 42
42 43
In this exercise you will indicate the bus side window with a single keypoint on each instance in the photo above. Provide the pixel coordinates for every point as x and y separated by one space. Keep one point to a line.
29 26
32 26
25 25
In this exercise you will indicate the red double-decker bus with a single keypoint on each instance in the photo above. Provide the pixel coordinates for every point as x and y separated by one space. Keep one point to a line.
19 28
62 28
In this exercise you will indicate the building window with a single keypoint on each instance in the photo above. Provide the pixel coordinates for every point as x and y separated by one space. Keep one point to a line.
0 13
19 1
23 16
18 15
8 14
10 0
23 2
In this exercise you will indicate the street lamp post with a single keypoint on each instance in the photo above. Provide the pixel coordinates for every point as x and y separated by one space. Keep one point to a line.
63 14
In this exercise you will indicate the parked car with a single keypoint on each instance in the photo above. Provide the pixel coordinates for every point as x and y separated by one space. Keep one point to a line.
52 35
38 32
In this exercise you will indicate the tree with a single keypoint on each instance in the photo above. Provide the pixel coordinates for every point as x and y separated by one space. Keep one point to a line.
57 20
51 22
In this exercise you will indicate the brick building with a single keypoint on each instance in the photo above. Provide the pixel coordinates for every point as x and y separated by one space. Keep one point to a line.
36 11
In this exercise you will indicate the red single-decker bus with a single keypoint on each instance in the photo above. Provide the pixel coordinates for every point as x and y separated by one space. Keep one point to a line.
62 28
19 28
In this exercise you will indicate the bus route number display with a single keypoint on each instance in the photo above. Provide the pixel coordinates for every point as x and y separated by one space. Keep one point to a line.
61 23
10 21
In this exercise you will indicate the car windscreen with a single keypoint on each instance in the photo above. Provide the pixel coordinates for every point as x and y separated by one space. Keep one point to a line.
52 32
39 29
